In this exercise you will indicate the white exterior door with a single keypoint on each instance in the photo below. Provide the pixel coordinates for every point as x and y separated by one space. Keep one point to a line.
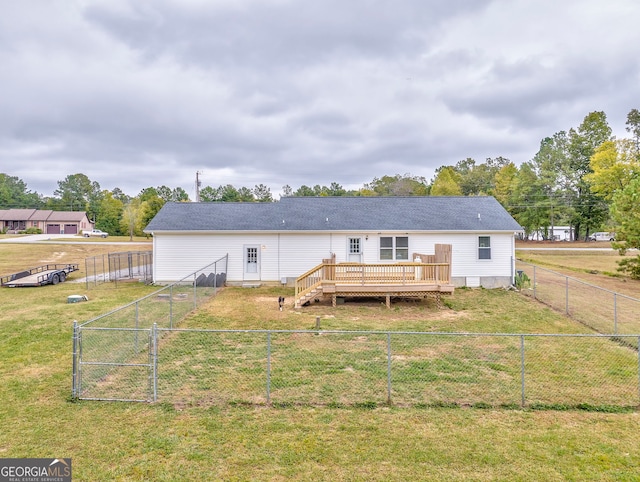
354 250
251 262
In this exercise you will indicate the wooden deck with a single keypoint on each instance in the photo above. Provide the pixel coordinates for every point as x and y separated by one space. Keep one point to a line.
406 280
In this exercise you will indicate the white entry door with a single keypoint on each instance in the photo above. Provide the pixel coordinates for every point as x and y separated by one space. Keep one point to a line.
251 262
354 250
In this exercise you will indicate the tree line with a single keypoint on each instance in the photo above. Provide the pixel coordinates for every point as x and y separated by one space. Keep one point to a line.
583 177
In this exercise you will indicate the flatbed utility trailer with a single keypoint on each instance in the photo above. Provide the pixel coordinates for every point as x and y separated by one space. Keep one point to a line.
39 276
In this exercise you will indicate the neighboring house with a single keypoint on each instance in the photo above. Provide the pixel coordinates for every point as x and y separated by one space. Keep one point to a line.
555 233
278 242
50 222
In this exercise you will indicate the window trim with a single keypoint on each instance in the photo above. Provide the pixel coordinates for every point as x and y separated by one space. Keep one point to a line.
394 249
484 252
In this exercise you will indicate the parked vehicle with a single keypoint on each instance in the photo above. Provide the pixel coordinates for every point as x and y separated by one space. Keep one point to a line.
39 276
95 232
602 236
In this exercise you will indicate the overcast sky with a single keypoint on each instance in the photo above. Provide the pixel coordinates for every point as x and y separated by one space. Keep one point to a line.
139 93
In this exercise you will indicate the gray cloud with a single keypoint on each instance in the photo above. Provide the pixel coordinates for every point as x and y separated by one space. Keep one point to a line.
144 93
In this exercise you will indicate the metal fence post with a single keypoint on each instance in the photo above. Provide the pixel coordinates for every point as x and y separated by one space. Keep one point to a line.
171 306
566 295
389 368
534 283
74 377
522 389
195 291
615 315
155 362
268 367
137 323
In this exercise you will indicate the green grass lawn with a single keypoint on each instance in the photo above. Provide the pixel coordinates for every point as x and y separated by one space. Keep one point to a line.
137 441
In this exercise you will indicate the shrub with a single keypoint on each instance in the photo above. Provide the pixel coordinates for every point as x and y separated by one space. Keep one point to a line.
630 266
521 280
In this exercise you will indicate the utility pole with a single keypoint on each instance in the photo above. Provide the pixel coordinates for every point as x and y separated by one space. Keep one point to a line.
198 183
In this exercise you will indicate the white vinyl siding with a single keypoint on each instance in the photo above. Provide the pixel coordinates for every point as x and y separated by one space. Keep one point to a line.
288 255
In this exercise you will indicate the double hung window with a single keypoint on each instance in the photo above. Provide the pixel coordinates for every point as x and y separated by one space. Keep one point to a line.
394 247
484 247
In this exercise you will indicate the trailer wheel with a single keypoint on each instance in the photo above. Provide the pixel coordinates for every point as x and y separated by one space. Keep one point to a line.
63 277
55 279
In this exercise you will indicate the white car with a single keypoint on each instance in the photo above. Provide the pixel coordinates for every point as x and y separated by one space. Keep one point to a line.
602 236
95 232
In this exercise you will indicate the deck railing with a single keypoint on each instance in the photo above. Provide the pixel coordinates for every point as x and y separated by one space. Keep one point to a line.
404 274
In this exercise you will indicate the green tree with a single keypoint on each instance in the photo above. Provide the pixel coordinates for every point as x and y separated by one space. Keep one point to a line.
110 214
209 194
398 185
149 207
287 191
262 193
246 195
131 216
505 183
180 195
478 180
446 183
118 194
147 193
625 210
633 127
336 189
172 195
304 191
14 194
78 193
613 166
530 206
554 175
229 193
590 210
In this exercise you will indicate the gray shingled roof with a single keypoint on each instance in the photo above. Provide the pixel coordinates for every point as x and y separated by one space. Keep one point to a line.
40 215
339 214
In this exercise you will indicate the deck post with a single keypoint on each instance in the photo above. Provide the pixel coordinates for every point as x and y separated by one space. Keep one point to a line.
388 300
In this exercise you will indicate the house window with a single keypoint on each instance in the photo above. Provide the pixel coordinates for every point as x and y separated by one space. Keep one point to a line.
394 247
354 246
484 247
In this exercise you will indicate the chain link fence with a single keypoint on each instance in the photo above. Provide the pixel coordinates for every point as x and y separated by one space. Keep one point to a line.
119 341
356 368
138 353
600 309
121 266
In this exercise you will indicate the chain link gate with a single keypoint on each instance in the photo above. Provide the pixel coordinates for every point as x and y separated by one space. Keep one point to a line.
126 371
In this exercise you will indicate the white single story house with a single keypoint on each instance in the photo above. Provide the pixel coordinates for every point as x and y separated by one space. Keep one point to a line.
279 241
555 233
